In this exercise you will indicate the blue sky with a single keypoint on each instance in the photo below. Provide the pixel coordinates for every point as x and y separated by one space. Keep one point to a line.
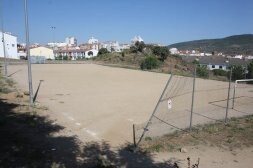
157 21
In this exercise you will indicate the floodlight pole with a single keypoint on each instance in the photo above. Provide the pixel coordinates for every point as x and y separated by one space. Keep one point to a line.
28 54
3 41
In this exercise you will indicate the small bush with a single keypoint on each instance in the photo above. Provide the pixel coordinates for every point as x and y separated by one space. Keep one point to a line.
102 51
202 72
219 72
237 72
149 63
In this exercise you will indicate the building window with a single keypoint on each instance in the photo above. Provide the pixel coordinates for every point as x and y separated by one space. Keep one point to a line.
220 67
213 66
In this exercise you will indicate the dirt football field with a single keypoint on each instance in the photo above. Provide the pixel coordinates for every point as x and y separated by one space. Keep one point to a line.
99 103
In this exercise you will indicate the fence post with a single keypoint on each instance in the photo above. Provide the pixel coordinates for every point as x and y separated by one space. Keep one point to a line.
233 104
134 136
226 116
193 92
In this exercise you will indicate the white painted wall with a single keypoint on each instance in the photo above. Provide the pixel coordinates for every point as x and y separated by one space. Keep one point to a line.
11 50
212 67
42 51
95 53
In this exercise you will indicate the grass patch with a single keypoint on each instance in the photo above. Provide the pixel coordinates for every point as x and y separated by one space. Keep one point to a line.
6 84
236 134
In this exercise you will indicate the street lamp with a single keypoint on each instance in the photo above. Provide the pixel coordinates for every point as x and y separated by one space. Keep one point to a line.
28 54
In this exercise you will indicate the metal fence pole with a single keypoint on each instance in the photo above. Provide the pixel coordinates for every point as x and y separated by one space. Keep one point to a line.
3 40
230 76
233 103
145 129
28 55
134 135
193 93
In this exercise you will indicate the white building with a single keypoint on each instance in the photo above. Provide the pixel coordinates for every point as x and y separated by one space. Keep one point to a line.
249 57
238 56
114 46
92 40
56 44
71 41
10 42
174 51
111 46
42 51
91 53
123 47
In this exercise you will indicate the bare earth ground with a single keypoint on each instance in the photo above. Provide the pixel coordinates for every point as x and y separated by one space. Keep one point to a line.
96 102
101 103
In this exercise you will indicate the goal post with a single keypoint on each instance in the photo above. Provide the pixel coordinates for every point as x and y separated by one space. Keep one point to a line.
235 85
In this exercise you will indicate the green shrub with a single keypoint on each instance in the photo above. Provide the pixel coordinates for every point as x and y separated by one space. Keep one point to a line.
161 52
237 72
202 72
149 63
250 70
102 51
219 72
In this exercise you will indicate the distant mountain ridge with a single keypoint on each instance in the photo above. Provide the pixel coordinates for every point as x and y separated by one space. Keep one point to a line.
237 44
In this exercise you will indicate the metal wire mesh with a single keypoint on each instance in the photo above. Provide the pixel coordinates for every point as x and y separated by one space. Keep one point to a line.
170 110
211 104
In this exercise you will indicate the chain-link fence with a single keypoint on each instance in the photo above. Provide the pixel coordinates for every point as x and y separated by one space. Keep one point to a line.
190 101
38 59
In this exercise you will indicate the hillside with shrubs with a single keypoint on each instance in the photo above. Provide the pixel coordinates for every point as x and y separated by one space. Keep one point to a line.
145 57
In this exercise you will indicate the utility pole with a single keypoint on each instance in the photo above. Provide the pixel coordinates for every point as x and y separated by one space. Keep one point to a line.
28 54
3 41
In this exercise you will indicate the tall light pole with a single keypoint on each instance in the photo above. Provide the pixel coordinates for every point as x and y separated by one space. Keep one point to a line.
28 55
3 40
53 34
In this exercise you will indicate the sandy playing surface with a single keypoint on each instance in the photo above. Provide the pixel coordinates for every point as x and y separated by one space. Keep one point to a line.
95 102
102 103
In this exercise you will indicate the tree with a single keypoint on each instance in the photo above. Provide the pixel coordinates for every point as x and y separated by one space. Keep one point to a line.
103 51
140 45
237 72
137 47
202 72
161 52
250 70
